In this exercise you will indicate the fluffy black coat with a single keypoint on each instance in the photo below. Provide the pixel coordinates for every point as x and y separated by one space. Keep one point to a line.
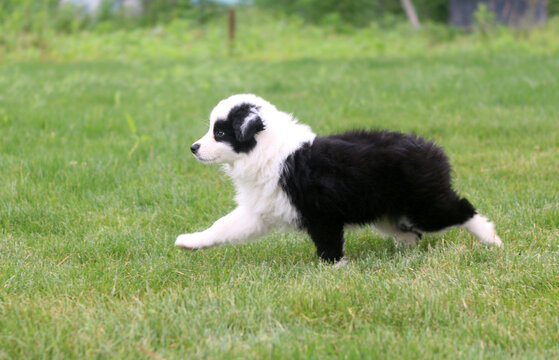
368 176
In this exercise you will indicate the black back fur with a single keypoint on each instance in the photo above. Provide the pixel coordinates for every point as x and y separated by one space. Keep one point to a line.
365 176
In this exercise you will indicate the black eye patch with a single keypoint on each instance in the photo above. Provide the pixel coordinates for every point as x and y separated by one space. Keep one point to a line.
239 128
223 132
219 133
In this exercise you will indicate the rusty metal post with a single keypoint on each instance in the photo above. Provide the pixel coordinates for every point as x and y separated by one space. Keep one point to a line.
410 12
231 30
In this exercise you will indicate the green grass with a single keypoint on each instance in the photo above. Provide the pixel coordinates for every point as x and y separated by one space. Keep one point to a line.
96 182
264 36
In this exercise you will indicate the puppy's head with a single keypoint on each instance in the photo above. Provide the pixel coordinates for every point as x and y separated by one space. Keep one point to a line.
234 127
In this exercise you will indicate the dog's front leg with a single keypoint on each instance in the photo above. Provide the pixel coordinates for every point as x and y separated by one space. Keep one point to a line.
328 236
237 226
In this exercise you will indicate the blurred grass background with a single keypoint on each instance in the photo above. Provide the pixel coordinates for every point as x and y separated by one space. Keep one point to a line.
43 30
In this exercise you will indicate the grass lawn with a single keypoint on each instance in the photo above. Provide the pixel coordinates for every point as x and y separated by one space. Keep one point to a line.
96 181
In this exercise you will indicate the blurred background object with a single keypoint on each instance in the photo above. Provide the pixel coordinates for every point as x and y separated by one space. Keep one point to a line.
94 7
516 13
87 29
71 15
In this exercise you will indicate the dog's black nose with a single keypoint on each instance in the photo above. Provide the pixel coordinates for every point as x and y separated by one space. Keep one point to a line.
194 148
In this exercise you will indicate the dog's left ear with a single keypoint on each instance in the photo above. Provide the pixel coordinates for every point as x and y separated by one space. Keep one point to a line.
246 122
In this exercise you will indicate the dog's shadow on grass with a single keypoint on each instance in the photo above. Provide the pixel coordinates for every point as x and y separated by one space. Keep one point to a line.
287 250
367 243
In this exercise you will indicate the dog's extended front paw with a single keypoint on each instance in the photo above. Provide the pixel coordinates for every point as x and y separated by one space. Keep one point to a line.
191 241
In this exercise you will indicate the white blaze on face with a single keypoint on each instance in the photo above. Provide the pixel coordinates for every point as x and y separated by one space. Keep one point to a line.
214 152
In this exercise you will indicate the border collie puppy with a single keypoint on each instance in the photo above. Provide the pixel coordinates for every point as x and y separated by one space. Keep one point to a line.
285 175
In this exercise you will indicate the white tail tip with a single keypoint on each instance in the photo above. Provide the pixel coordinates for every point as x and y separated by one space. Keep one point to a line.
484 230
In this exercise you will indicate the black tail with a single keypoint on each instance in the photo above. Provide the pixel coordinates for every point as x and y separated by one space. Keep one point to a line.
444 214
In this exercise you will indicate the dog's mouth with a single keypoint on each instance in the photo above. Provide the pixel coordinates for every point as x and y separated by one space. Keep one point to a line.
204 160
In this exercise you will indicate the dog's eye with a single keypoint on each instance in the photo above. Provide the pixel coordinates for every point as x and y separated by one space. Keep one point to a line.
219 133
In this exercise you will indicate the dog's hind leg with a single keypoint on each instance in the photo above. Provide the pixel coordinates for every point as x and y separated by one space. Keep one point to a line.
403 234
405 239
328 238
237 226
407 235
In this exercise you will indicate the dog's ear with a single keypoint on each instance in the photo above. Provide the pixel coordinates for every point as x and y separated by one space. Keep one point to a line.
246 122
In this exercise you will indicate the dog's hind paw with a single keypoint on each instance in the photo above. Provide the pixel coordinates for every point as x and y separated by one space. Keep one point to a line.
406 239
